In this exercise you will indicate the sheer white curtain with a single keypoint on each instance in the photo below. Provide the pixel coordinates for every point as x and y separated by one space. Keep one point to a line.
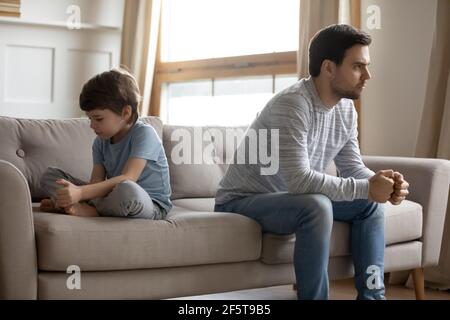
434 136
314 15
317 14
139 44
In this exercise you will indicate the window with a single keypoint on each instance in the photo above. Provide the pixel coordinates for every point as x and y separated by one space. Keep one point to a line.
221 61
226 102
202 29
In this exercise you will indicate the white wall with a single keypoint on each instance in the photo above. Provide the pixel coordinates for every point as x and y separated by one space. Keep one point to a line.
43 64
99 12
392 102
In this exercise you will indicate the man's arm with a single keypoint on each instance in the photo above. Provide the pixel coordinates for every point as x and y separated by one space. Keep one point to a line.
293 123
349 164
348 161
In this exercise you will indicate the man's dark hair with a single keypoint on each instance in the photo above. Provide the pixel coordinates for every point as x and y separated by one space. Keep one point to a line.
113 90
331 43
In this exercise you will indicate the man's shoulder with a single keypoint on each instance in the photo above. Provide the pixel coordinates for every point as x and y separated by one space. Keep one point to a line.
294 97
297 90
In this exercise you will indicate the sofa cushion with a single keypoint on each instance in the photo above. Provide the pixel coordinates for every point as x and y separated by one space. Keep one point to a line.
403 223
196 204
34 145
105 243
198 158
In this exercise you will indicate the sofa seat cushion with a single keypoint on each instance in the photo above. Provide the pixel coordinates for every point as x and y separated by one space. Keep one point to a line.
196 204
185 238
403 223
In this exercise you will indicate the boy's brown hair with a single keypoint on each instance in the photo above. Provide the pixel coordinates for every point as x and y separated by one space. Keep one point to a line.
113 90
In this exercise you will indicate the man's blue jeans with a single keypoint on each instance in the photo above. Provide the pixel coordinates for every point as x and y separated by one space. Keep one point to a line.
310 217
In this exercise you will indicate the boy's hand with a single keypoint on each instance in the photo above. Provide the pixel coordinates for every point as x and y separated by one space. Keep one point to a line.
400 189
68 194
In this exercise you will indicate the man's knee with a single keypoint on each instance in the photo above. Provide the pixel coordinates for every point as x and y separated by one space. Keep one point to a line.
319 211
320 201
378 210
372 210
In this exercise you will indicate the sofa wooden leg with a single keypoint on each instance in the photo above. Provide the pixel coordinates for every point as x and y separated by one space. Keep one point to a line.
419 283
387 276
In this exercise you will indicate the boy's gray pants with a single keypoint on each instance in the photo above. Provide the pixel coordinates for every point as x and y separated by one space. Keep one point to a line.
127 199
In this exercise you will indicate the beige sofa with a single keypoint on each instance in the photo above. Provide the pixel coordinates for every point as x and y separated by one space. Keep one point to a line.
195 251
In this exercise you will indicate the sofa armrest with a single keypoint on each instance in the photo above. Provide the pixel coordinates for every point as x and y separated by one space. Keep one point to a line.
18 262
429 181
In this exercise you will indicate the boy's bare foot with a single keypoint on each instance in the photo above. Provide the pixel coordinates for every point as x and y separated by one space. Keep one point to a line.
70 210
81 209
47 205
78 209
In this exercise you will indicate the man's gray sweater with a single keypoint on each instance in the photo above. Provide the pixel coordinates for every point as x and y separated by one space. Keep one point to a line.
311 135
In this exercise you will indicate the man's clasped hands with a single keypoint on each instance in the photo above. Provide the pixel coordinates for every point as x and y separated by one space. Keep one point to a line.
388 185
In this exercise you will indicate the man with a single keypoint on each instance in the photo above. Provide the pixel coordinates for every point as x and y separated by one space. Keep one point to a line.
317 124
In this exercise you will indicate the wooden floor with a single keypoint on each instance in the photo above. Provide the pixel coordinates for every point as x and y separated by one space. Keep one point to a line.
339 290
344 290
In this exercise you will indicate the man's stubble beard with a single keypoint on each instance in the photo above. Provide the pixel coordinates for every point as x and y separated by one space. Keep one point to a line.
344 93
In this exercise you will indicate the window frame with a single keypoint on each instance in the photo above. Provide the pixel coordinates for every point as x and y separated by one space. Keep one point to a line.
230 67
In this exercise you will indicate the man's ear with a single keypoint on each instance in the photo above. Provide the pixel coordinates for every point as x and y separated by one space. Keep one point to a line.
328 68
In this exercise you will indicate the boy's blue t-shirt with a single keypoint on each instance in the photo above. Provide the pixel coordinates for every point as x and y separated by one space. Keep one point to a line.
143 142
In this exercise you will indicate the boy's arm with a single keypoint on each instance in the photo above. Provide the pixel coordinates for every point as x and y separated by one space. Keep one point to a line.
70 193
132 170
98 174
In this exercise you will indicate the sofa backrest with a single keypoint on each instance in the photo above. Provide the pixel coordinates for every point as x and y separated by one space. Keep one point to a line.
197 165
33 145
198 157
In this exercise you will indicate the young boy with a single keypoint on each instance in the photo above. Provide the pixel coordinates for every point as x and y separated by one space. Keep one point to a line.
130 177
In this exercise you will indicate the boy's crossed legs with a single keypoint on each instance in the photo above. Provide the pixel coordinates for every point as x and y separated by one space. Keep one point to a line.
81 209
127 199
48 183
